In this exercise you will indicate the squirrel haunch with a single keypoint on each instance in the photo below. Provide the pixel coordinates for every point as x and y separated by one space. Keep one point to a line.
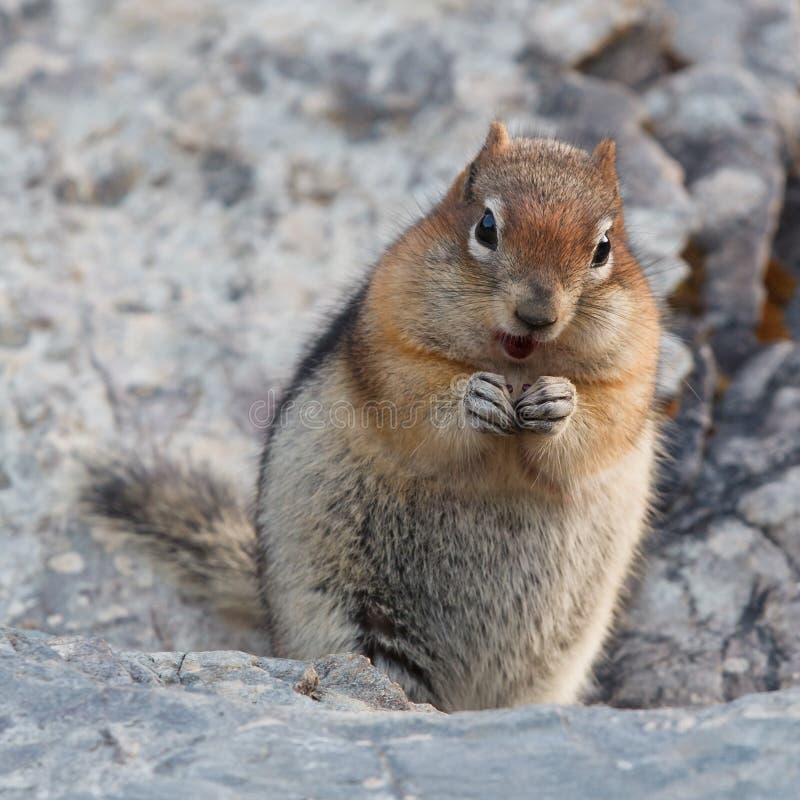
468 499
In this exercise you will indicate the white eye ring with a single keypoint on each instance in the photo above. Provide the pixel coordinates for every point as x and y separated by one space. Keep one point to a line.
600 269
480 251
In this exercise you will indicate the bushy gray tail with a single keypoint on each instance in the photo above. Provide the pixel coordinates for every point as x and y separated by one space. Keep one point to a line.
190 522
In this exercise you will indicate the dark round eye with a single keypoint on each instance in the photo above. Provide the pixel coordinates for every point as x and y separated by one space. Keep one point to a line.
601 252
486 230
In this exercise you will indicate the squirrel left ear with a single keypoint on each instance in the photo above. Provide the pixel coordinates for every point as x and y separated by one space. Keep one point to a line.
497 139
605 156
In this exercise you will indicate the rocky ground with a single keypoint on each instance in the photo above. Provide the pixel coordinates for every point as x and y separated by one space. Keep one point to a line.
186 185
222 725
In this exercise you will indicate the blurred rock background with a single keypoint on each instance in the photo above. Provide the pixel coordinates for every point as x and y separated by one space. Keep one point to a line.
186 186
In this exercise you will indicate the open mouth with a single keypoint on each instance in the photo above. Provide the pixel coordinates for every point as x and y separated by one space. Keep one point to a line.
518 347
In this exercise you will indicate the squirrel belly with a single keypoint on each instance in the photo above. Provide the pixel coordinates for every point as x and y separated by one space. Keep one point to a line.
469 591
459 475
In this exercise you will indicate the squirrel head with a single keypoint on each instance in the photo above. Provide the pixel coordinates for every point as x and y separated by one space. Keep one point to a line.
525 257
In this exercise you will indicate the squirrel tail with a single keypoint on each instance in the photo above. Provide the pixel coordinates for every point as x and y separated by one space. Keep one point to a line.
189 521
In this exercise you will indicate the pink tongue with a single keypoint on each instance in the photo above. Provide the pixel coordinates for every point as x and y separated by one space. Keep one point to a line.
518 347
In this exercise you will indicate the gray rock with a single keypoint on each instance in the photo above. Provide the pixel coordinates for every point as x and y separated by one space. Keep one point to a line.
715 120
775 507
705 116
230 725
686 435
568 33
760 35
714 614
638 55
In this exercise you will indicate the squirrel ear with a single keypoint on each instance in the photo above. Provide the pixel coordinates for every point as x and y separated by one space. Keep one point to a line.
605 156
497 141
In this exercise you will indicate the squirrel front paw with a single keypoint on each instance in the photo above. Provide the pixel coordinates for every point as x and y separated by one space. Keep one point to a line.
487 404
546 405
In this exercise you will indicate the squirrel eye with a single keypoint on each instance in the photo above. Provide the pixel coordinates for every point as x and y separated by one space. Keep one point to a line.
486 230
601 252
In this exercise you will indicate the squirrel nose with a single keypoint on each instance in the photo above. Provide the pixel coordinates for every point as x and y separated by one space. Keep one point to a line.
535 317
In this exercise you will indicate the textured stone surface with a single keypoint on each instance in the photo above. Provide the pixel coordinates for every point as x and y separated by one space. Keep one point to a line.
716 613
186 184
761 35
567 33
79 720
715 120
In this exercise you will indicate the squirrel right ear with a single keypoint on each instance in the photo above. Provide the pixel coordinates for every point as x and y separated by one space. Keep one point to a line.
605 156
497 141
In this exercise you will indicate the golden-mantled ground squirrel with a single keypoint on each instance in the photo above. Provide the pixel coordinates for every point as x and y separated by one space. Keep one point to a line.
458 476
